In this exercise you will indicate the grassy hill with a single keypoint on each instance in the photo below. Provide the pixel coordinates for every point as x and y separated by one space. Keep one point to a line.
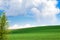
38 29
36 33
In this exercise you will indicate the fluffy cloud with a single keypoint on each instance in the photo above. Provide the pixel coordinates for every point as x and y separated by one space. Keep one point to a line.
11 7
20 6
19 26
16 26
14 7
45 10
1 4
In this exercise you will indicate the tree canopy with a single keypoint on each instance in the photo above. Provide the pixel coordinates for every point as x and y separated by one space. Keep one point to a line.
3 26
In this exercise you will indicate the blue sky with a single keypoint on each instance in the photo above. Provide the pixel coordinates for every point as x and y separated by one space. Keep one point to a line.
26 13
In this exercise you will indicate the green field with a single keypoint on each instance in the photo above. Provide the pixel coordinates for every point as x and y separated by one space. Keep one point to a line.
37 33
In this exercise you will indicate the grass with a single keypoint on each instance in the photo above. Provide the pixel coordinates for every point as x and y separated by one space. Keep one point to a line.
35 36
37 33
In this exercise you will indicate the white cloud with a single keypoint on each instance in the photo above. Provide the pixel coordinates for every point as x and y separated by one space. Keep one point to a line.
0 2
20 1
45 9
18 7
16 26
14 7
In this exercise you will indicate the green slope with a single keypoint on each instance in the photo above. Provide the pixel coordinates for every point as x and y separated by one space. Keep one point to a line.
34 36
36 33
37 29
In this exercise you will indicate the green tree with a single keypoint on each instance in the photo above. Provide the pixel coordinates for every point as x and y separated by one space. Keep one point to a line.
3 26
